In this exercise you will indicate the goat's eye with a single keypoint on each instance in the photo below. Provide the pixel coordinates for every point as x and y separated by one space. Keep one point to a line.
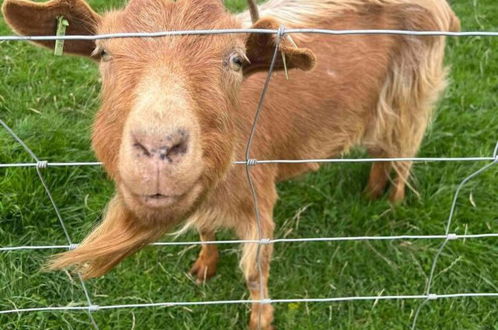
104 55
236 61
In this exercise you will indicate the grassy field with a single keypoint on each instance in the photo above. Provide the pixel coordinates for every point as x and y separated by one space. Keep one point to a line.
50 102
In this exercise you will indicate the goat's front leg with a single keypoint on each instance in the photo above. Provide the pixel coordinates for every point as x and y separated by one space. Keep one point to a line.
255 264
205 266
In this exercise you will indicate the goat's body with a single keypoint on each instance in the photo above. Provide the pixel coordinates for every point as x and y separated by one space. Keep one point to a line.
375 91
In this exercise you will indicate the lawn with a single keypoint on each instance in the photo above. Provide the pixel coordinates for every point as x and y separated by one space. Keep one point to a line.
50 102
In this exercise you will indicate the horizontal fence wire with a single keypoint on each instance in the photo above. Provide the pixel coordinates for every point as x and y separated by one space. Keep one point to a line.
427 296
44 164
275 240
244 31
94 308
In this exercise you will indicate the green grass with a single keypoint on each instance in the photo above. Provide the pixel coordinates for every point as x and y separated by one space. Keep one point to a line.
50 102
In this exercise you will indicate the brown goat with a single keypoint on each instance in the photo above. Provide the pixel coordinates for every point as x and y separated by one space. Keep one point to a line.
177 111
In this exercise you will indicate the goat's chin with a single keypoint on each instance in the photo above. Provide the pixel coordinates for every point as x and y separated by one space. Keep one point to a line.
158 209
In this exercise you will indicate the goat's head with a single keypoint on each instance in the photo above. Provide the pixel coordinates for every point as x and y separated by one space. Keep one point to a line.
164 128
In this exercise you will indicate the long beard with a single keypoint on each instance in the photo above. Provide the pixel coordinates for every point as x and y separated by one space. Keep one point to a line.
116 237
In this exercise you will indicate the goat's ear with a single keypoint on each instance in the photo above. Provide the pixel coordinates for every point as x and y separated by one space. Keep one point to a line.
260 48
40 19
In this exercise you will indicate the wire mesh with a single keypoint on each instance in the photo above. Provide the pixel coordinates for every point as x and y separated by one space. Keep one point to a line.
427 296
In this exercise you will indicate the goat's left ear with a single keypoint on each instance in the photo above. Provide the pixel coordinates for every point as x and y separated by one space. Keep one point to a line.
260 48
29 18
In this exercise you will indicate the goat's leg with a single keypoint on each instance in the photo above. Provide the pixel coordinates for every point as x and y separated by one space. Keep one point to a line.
402 169
397 173
255 264
205 266
377 181
398 188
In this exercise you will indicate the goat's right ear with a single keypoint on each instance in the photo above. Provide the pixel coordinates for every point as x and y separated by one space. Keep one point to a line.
260 50
40 19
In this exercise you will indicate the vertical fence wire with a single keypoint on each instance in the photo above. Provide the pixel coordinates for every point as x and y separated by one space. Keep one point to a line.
41 165
449 237
254 193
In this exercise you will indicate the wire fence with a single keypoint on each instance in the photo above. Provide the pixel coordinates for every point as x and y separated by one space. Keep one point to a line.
447 236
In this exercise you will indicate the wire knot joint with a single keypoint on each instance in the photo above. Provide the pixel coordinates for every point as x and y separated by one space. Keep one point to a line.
265 301
451 237
432 296
42 164
93 308
265 241
281 32
251 162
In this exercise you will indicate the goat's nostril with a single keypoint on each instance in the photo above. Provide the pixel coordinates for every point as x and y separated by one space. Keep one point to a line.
142 148
178 149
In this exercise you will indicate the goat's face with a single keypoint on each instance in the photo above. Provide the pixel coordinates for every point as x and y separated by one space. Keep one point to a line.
164 126
164 131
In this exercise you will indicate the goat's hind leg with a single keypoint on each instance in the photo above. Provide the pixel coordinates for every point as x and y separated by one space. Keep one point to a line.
380 177
380 174
402 170
205 266
377 180
409 140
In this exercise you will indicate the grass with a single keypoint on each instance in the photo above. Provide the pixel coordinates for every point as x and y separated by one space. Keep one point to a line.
50 102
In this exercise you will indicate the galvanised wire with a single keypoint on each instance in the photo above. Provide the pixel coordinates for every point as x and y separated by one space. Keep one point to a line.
282 161
251 162
276 240
248 164
42 164
93 308
242 31
447 230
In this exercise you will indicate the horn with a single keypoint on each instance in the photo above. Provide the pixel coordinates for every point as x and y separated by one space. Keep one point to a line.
253 9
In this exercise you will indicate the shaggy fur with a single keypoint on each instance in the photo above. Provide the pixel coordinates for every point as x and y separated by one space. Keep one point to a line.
372 91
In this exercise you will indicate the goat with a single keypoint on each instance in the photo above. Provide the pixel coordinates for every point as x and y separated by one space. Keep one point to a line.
176 111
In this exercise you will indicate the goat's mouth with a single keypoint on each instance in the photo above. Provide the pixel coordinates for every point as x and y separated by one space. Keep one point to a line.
161 200
168 202
158 200
157 196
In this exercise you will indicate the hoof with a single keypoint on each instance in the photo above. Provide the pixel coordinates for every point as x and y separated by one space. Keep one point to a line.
202 270
266 317
373 193
397 196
